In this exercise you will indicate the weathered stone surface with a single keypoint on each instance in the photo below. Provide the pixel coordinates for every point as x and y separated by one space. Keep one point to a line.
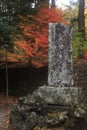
59 95
25 117
60 55
28 113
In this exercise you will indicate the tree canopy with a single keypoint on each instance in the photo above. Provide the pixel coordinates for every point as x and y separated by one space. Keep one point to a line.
24 26
35 31
9 11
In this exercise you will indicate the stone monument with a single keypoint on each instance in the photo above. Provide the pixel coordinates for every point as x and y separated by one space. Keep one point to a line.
60 56
60 89
32 110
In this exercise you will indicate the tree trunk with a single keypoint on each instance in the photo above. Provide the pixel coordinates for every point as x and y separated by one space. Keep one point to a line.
53 4
7 95
81 18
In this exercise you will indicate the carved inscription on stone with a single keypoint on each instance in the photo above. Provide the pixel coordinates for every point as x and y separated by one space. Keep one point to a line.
60 71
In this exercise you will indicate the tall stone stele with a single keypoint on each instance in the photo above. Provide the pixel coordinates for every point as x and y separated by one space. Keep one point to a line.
60 88
60 56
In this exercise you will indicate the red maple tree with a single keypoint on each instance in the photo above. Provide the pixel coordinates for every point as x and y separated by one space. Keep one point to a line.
35 31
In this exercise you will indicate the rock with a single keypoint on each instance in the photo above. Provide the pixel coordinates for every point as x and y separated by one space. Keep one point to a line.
28 113
31 121
56 119
63 115
41 121
33 103
79 112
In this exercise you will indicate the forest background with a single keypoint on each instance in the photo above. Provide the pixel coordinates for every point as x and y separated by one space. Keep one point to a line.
24 30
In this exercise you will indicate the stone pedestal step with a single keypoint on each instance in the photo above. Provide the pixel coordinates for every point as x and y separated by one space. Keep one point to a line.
66 96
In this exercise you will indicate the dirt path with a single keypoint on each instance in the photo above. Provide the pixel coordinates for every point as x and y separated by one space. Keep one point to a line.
5 110
4 117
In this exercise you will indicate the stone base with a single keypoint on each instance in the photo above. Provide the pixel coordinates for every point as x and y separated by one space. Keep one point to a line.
59 95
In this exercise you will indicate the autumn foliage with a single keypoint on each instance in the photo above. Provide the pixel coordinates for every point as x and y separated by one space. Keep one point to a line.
35 32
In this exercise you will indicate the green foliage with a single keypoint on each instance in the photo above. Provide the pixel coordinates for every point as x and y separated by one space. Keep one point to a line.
7 22
9 10
79 45
71 12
